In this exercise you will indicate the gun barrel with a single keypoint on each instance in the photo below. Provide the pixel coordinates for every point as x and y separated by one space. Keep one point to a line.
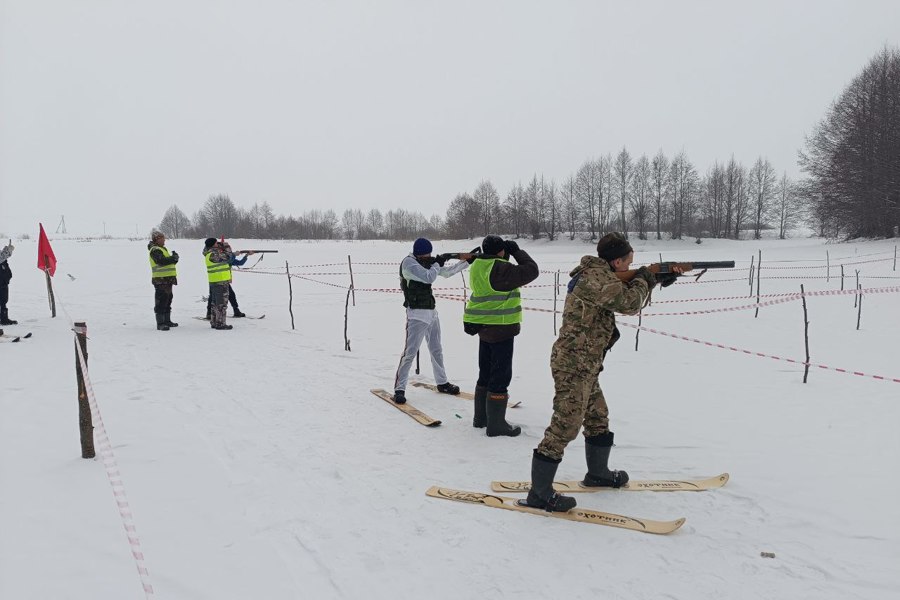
259 251
715 264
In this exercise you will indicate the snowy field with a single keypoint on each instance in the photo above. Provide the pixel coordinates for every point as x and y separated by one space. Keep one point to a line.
258 465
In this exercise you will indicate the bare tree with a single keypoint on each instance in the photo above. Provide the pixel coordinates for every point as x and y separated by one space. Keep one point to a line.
552 209
587 182
220 216
623 169
787 207
174 223
489 202
852 158
658 177
514 209
569 198
762 193
639 198
375 222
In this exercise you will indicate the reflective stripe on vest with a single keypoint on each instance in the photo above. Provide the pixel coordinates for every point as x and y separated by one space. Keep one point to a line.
160 271
486 305
217 272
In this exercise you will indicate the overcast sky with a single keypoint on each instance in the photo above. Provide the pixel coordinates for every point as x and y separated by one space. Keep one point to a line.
115 110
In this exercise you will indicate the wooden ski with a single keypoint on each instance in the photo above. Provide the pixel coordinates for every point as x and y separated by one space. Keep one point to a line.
461 394
635 485
412 411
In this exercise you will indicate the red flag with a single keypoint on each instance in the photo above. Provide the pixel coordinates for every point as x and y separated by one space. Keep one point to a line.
46 258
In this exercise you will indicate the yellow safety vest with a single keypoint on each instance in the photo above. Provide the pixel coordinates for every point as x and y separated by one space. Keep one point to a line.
217 272
486 305
160 271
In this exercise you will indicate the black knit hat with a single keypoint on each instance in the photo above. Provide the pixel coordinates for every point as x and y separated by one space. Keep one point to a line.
210 242
492 245
612 246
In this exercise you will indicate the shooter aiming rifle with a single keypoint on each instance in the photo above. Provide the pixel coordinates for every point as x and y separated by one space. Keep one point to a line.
667 272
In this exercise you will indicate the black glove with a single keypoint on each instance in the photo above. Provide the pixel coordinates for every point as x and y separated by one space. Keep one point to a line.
647 275
666 279
440 259
174 257
511 247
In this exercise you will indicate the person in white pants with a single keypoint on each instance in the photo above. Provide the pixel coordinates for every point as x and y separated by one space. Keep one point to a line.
417 272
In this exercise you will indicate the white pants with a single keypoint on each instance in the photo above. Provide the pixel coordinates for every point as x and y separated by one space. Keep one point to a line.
417 329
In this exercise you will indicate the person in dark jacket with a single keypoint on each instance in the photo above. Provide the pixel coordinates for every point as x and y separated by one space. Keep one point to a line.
494 313
164 275
5 276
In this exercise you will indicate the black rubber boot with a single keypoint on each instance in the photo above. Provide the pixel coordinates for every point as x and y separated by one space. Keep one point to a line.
223 327
399 397
596 452
480 418
496 417
169 320
238 314
542 495
161 322
5 320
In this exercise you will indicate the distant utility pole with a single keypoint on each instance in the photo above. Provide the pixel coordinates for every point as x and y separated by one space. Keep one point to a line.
62 225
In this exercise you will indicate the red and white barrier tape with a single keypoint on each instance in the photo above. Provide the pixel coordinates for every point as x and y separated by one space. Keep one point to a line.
761 354
108 458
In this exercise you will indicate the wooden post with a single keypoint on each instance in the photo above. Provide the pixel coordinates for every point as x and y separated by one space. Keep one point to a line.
346 306
287 270
827 267
752 258
805 333
856 296
85 423
555 295
758 270
352 287
637 333
50 295
859 310
842 277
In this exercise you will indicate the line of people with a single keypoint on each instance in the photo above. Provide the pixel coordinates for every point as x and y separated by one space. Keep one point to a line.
219 259
600 286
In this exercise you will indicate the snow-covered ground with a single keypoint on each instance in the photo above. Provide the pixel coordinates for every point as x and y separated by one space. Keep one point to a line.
258 465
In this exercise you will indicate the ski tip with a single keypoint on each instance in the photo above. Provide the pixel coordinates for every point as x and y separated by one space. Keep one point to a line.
27 335
433 424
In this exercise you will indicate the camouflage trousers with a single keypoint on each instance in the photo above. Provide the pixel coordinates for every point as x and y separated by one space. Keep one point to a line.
218 297
578 402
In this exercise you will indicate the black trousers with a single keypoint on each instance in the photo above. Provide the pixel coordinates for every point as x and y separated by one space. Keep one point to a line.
495 365
232 299
4 298
163 298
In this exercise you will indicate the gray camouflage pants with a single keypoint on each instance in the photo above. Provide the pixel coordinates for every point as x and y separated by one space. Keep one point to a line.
578 402
218 297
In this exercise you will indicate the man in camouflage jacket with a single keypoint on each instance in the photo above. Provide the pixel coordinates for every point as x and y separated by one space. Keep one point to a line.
595 294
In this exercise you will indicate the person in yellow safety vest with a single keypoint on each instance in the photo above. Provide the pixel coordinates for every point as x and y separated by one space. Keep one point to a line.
218 256
163 276
494 313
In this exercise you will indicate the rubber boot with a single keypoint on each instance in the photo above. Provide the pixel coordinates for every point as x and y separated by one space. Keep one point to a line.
161 322
238 314
480 418
542 495
5 320
496 417
596 452
169 319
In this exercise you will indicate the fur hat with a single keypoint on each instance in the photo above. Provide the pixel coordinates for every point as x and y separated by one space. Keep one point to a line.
492 245
156 234
210 242
612 246
421 247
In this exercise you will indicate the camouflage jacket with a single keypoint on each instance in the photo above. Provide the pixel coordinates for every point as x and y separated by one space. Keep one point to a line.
589 321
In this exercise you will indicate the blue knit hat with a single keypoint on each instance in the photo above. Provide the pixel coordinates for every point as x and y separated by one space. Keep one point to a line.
421 247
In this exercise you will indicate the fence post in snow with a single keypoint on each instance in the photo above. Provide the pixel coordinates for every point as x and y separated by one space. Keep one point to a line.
352 290
856 296
859 309
842 277
805 333
85 423
287 270
827 267
555 294
758 269
750 281
346 310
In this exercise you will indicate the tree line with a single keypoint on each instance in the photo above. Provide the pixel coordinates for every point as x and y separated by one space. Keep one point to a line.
852 188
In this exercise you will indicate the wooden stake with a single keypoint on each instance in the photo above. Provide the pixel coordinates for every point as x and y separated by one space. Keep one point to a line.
752 258
85 423
287 270
352 288
856 296
50 296
827 267
758 270
842 277
859 310
805 333
346 310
